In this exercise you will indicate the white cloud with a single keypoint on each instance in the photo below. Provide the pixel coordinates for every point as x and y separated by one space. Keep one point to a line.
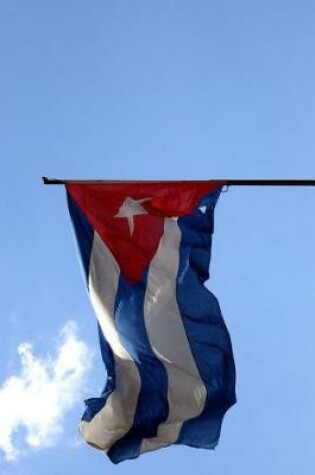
33 403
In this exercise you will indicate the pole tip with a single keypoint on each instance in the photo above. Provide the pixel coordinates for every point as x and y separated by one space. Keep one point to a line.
52 181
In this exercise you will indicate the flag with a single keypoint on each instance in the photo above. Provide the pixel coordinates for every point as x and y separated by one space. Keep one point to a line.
145 249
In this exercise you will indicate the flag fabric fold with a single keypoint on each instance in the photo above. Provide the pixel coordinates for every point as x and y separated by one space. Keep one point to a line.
145 250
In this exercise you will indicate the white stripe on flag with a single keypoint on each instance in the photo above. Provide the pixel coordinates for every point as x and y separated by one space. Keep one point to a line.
186 390
116 417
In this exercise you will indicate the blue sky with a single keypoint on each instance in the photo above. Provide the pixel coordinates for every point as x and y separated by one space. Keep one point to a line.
158 90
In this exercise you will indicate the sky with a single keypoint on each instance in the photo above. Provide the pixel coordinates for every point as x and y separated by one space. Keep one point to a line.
158 90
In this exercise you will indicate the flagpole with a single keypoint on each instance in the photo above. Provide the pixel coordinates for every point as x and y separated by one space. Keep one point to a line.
223 182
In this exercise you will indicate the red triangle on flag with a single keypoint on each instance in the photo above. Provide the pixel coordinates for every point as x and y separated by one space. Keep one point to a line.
129 217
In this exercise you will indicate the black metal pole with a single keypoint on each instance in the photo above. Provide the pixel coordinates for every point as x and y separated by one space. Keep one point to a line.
224 182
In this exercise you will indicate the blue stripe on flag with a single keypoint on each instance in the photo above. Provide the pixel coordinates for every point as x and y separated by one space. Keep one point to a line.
84 236
152 408
84 233
206 331
94 405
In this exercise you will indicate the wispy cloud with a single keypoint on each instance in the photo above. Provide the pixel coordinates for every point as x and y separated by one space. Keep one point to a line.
34 402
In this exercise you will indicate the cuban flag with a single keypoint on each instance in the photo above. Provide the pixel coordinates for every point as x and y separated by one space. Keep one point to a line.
145 249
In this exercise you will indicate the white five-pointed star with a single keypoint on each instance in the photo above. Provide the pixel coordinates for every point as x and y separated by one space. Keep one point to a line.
131 208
